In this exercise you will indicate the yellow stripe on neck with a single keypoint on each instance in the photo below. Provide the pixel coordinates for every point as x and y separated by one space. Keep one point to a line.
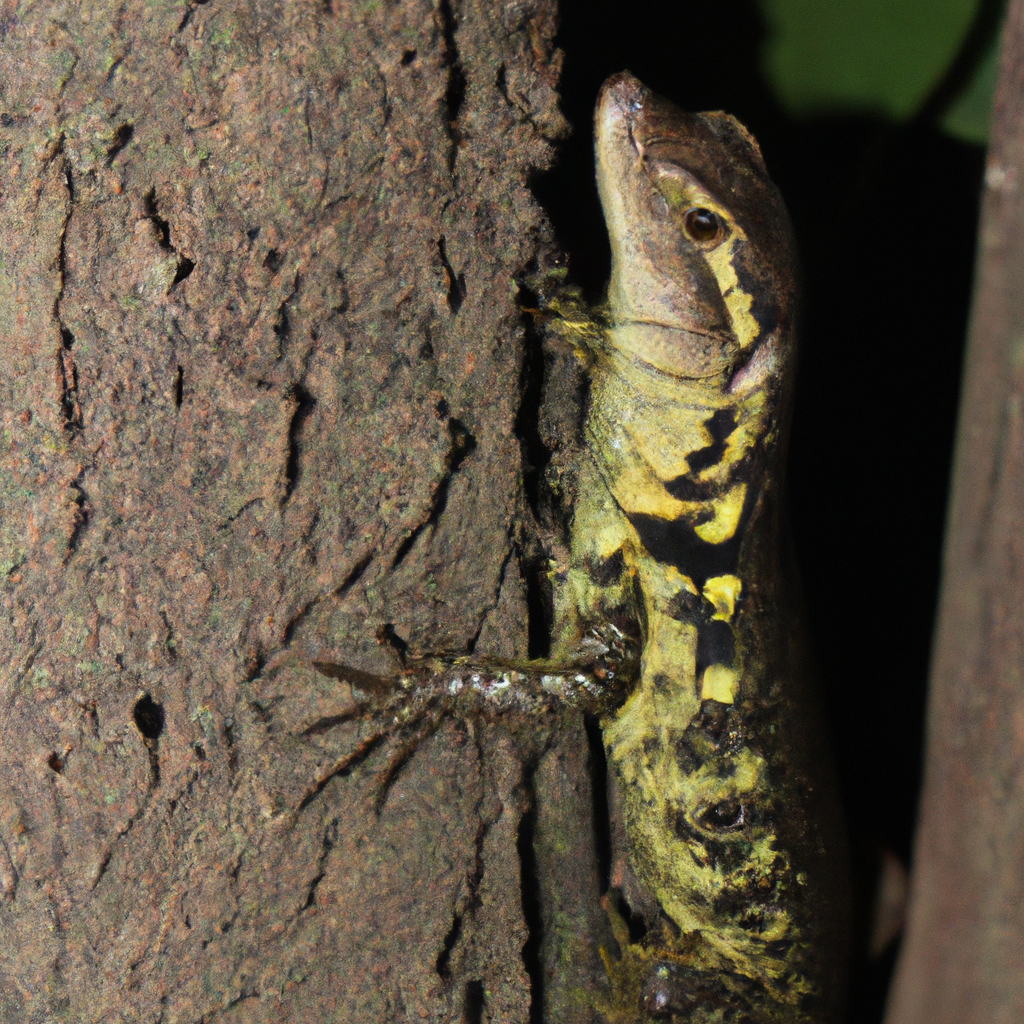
738 302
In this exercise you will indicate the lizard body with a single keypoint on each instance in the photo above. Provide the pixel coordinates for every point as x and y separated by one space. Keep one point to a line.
728 848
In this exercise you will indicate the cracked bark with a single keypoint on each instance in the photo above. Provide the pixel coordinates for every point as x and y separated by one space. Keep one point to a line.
263 383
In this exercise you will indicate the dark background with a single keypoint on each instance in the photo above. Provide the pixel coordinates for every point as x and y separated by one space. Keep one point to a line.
886 218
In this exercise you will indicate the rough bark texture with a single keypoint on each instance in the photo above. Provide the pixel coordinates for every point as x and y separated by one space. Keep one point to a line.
963 956
261 379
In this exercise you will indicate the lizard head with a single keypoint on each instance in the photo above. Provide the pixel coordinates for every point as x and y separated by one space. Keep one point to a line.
702 251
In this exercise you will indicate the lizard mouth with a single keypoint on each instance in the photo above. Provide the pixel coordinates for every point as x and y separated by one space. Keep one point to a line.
626 104
624 91
621 105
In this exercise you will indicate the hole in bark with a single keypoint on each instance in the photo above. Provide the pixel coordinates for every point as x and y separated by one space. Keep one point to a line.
161 225
456 282
80 513
282 325
463 443
456 91
122 136
342 300
200 750
163 228
387 637
179 388
451 940
149 717
273 260
536 455
407 58
253 233
185 267
473 1003
190 10
55 762
539 602
302 411
69 378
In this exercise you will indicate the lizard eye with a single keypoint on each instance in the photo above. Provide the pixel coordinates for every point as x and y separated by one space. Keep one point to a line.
723 817
702 225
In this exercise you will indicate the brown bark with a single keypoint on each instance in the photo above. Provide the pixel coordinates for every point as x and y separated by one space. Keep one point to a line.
261 378
963 956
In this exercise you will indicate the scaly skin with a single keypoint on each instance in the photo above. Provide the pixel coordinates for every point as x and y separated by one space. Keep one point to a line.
732 853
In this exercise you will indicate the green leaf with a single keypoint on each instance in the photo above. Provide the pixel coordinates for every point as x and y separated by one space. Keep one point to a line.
870 56
968 118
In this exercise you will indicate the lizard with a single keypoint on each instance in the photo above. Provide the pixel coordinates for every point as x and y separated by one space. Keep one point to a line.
729 854
726 897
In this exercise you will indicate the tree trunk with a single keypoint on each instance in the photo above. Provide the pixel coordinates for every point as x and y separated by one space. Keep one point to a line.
963 956
264 437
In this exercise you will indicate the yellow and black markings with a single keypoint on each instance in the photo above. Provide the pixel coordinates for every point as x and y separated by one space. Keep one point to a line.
676 526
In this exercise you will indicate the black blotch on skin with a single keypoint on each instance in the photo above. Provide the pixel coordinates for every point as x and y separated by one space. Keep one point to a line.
605 571
719 724
713 718
732 904
762 308
688 488
720 426
716 644
754 921
684 606
688 757
685 488
673 542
